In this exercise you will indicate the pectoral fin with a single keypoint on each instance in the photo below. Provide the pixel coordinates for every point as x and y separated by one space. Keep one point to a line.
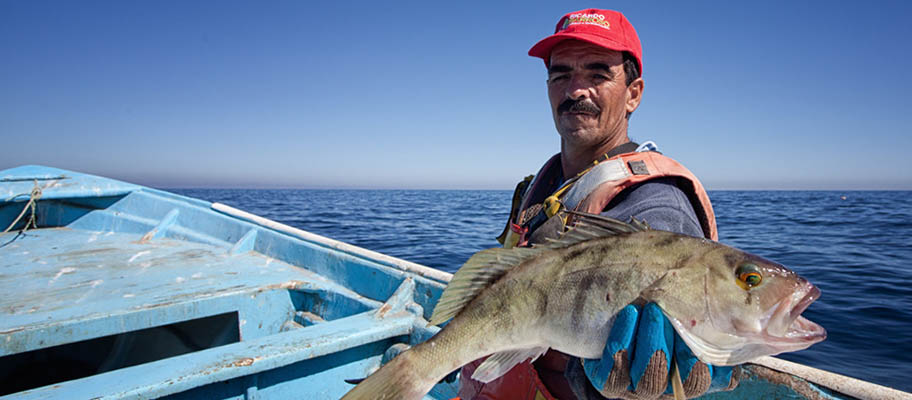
499 364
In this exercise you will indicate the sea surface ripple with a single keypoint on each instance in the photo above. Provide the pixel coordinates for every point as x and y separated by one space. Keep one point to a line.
856 246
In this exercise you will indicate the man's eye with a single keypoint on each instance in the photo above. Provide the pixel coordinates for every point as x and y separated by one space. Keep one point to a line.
557 78
600 78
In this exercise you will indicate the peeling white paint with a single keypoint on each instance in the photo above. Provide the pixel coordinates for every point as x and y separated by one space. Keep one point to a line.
65 270
197 275
137 255
129 295
88 292
179 279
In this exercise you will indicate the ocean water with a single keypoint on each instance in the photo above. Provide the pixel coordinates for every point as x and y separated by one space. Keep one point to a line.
857 249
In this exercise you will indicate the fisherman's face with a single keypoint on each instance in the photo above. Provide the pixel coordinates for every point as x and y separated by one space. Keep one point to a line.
588 93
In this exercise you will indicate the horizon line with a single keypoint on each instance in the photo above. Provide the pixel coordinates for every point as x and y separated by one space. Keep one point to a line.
166 188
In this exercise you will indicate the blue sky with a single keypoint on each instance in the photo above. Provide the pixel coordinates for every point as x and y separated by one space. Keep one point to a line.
759 95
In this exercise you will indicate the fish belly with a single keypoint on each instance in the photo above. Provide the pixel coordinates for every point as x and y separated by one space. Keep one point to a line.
583 340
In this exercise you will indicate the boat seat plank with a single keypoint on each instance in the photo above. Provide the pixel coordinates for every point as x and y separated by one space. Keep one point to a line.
177 374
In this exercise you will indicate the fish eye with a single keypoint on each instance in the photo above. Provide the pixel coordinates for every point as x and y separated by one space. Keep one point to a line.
748 276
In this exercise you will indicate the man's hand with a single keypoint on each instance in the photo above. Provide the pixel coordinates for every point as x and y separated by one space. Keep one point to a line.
638 355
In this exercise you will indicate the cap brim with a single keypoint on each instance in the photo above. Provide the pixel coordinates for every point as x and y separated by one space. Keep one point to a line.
543 48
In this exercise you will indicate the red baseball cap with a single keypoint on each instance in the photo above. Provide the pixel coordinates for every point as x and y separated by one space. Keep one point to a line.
605 28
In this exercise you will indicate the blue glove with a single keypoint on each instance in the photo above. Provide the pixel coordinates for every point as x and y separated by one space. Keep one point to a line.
649 337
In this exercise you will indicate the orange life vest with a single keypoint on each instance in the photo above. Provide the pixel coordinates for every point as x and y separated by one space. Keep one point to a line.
534 217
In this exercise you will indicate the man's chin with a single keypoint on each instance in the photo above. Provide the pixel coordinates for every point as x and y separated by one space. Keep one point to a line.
577 135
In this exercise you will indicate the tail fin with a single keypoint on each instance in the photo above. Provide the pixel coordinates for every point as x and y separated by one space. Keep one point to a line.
393 381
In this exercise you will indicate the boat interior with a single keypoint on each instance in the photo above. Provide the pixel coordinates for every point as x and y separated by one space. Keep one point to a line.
119 289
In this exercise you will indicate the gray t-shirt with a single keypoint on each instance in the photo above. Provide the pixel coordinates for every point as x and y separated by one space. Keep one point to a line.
658 202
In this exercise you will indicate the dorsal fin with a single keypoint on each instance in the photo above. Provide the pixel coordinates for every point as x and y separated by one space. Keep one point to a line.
486 266
590 226
479 272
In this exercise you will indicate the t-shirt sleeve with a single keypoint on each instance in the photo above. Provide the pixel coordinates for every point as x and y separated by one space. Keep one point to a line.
658 202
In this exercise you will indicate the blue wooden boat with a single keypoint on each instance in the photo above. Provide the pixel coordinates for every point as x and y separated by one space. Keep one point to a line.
115 290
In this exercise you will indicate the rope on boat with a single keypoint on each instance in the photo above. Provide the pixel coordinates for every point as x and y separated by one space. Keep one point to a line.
33 200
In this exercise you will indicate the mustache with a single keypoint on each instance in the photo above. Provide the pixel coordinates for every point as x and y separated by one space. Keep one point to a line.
580 106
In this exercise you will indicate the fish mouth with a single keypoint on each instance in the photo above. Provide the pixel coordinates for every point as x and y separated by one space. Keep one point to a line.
788 328
811 295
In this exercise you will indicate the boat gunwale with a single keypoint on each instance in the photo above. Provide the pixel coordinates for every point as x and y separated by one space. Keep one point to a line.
380 258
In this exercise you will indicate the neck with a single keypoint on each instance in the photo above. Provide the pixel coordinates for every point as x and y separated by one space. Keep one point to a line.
575 159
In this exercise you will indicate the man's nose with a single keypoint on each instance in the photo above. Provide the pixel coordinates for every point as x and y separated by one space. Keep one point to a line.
577 89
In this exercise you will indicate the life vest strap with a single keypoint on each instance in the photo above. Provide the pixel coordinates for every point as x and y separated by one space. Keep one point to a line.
515 207
610 170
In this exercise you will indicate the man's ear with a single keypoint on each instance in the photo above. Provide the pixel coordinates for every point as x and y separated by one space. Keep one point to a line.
634 95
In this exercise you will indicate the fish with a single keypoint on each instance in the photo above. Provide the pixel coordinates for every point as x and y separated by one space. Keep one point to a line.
729 306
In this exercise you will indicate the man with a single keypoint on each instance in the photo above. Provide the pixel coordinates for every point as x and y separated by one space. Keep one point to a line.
594 62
